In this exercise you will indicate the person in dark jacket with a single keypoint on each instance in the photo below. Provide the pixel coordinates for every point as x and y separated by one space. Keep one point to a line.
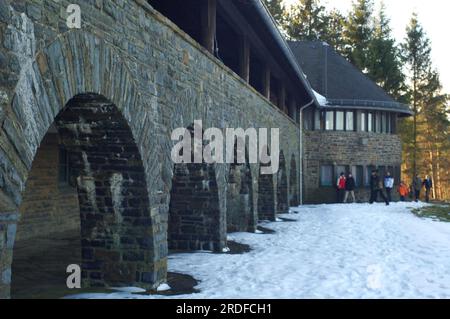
376 187
417 187
428 184
350 188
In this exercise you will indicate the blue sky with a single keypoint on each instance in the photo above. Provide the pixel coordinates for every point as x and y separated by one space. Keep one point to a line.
434 16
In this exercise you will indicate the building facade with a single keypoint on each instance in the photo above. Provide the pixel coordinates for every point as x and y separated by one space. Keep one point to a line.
352 130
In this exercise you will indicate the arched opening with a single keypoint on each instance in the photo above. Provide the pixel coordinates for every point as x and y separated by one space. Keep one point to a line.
266 196
240 210
194 211
293 184
85 203
282 187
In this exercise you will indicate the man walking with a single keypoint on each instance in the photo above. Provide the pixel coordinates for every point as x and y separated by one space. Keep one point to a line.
388 185
417 187
376 187
350 188
428 183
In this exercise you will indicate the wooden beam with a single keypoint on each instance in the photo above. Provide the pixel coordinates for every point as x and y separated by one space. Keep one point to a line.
244 59
266 82
209 16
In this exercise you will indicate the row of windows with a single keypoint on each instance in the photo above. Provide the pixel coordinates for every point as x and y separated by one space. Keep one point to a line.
330 173
350 120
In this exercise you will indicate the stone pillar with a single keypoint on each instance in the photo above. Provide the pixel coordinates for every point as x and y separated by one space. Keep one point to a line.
8 227
266 82
244 59
208 22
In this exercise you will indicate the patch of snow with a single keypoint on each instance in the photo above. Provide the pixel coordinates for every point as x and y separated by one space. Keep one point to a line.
163 287
258 232
278 220
131 290
320 98
226 250
331 251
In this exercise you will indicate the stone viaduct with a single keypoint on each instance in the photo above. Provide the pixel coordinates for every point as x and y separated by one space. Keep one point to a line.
86 117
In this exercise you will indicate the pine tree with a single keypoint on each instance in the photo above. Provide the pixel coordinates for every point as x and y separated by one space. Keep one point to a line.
358 32
306 20
276 9
333 34
383 58
416 54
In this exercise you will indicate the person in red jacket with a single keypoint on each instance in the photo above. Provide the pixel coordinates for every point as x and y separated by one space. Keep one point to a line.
340 184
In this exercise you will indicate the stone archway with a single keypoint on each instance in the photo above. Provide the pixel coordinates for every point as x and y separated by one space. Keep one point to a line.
266 197
293 184
48 81
240 210
103 167
195 217
282 186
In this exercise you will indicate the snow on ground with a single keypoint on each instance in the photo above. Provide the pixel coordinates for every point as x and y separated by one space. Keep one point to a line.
331 251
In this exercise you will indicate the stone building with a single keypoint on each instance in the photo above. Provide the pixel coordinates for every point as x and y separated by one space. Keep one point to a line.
86 117
352 129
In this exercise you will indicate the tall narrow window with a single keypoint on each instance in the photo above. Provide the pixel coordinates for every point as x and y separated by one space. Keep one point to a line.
358 175
329 120
369 122
326 175
388 123
350 121
339 121
363 121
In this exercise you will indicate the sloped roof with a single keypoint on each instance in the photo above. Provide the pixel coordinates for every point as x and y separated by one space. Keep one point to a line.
343 85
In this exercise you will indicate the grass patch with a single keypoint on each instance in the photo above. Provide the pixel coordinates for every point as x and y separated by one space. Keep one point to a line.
436 212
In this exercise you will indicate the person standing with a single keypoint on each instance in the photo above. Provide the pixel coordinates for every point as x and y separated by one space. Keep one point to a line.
388 185
403 191
350 188
376 187
428 183
417 187
340 184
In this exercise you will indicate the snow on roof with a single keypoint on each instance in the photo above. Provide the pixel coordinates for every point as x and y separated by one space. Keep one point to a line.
321 99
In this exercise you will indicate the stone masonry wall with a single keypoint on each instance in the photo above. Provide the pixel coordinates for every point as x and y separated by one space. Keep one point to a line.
158 78
48 206
345 149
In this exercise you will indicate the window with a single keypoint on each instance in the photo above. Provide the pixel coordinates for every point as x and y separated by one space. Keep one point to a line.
358 175
340 121
326 175
382 171
363 121
370 120
378 122
368 174
329 120
388 123
394 123
349 121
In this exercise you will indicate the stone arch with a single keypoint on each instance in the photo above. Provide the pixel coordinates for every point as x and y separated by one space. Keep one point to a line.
293 183
106 170
282 186
195 218
240 210
266 196
69 67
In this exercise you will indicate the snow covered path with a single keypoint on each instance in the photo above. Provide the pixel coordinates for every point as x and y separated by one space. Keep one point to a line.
331 251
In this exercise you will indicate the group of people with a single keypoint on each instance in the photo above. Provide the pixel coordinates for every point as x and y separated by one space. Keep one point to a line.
346 187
